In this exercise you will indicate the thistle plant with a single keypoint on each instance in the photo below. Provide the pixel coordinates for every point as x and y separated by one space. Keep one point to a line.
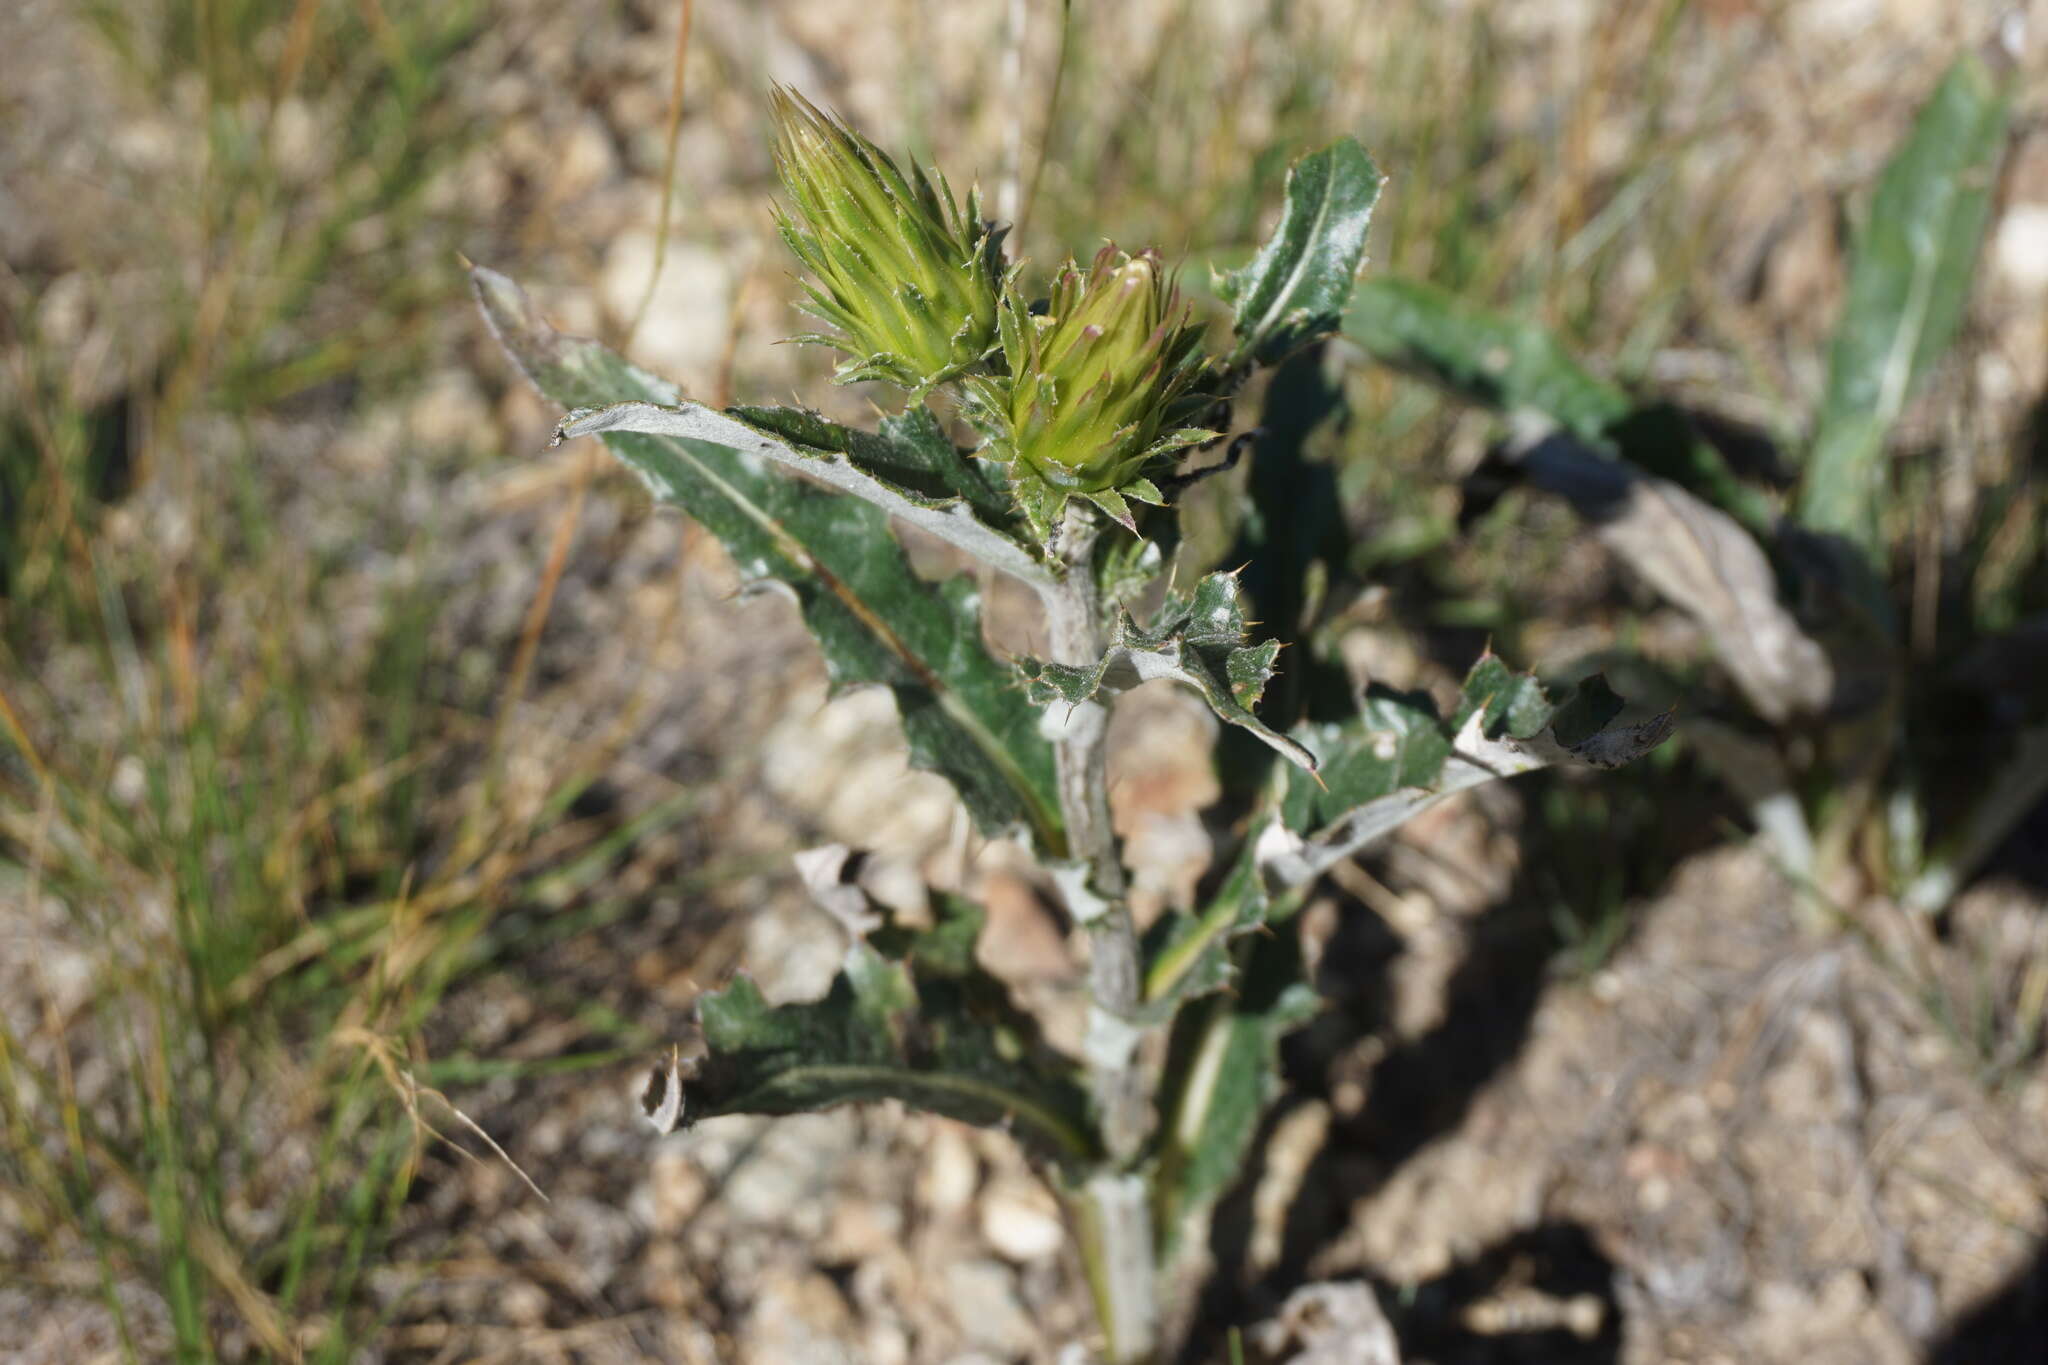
1074 406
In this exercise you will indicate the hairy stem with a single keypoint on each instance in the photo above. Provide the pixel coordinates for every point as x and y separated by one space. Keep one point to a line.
1118 1227
1114 1213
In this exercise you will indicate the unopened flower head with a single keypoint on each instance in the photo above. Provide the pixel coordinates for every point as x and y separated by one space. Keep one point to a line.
1102 383
908 276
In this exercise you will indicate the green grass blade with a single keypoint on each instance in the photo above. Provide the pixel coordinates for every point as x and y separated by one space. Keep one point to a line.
1909 279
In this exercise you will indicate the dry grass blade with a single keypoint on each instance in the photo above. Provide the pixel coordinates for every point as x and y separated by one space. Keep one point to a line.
16 732
408 1089
673 136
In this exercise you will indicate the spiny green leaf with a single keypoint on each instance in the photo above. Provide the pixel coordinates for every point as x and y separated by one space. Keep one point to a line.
950 501
1296 288
1398 758
1587 712
875 620
1224 1070
910 1017
1198 640
1908 283
910 452
1507 702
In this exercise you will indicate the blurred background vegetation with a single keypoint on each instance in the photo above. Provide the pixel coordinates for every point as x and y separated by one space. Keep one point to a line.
367 770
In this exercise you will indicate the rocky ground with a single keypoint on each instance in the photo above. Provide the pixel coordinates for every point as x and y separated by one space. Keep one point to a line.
1736 1137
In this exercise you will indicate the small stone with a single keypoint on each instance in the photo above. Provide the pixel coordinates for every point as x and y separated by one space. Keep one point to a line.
679 1189
1331 1324
682 334
587 159
859 1229
298 145
450 413
64 312
523 1304
799 1319
665 1276
982 1297
783 1181
2021 248
950 1173
1021 1220
1019 939
887 1344
1607 986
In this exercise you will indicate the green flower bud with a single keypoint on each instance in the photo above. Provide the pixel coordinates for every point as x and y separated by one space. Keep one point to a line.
908 277
1099 386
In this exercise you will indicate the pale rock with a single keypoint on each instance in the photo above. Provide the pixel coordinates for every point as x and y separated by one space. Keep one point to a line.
298 144
785 1179
800 1318
947 1180
1020 941
683 333
130 782
523 1304
899 884
859 1229
480 183
64 311
151 145
793 950
845 762
450 412
1382 654
639 112
1834 19
665 1277
1020 1220
982 1297
1167 854
368 235
509 94
678 1186
2020 248
887 1344
1330 1324
68 974
586 160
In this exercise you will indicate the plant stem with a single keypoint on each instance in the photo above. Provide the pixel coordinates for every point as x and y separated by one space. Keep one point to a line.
1115 1220
1116 1225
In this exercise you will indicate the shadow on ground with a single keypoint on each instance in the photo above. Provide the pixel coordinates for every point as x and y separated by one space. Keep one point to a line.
2010 1325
